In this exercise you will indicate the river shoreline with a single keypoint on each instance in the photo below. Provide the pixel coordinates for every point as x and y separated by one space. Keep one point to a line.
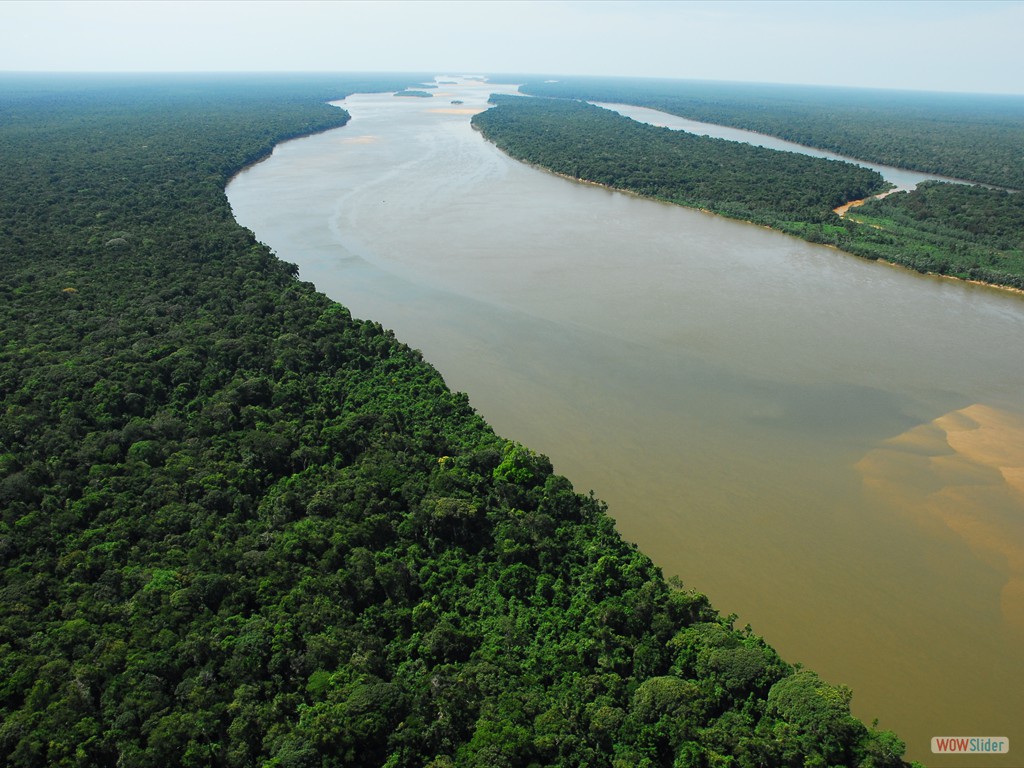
707 380
840 211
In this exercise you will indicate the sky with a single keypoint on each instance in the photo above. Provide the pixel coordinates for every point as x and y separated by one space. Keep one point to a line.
975 46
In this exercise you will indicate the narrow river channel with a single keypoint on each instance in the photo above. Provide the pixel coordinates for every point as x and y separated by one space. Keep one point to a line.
831 448
900 178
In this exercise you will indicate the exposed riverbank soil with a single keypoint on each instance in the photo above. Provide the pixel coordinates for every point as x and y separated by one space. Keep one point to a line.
842 210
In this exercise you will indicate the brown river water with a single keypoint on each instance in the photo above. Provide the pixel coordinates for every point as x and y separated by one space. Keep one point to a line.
832 449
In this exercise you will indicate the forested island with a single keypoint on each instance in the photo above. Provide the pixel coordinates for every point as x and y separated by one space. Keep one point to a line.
577 139
970 232
967 136
240 527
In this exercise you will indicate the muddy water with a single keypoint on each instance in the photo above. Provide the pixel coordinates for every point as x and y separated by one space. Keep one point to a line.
831 448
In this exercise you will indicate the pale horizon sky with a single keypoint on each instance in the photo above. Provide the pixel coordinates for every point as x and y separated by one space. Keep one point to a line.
975 46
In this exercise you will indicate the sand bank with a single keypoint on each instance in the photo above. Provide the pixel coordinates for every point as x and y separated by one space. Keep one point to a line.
962 475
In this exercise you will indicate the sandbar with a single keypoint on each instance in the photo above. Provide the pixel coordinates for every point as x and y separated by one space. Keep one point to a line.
962 474
458 110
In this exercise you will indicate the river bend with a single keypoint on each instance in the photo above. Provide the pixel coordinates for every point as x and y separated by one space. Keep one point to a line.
829 447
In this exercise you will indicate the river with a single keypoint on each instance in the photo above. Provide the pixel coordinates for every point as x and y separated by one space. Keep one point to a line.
900 178
831 448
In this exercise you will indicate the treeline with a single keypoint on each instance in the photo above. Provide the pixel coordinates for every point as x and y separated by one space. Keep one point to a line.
951 229
239 527
966 136
738 180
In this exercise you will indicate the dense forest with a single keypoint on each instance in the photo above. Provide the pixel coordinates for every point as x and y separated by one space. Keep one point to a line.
977 137
739 180
951 229
240 527
965 231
